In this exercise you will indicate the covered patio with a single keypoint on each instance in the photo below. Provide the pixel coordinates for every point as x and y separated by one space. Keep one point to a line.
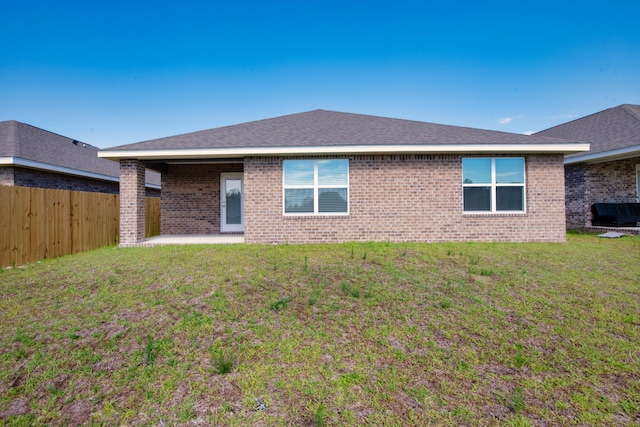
634 231
193 239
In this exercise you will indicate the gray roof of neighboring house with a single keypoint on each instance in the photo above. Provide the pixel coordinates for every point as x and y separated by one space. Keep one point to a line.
612 129
321 128
26 142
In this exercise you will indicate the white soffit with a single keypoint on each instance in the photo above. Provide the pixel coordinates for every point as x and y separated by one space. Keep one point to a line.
202 153
605 156
32 164
17 161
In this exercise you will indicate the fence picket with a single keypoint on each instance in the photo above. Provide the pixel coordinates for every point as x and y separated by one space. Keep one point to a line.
37 223
6 225
22 228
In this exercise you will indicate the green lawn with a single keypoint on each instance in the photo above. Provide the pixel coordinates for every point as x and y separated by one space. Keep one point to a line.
350 334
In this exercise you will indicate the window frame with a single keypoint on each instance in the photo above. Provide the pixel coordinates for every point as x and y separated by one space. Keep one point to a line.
493 188
315 187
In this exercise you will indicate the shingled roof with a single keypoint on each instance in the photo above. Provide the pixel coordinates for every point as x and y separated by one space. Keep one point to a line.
328 130
28 146
612 132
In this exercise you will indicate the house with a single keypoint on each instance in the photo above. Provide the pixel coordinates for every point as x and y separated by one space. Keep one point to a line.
325 176
610 170
33 157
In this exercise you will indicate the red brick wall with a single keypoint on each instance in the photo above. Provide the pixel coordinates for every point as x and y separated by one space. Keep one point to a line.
6 176
575 204
191 198
405 198
609 182
132 202
26 177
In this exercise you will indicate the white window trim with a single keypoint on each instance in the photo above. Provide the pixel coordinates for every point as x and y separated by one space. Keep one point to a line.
316 186
494 185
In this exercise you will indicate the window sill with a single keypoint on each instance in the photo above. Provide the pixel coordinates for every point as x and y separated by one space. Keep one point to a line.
315 216
501 214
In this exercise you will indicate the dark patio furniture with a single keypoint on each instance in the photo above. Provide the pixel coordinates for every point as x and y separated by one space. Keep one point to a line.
615 214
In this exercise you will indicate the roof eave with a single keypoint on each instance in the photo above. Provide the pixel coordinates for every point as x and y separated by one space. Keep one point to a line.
605 156
32 164
221 153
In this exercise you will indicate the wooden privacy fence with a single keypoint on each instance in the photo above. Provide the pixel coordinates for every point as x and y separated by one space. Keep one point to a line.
38 223
152 227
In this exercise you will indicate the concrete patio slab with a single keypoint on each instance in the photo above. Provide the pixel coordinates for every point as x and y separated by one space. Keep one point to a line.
193 239
627 230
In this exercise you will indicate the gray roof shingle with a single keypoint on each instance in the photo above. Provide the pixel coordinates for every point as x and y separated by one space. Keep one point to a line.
611 129
321 128
31 143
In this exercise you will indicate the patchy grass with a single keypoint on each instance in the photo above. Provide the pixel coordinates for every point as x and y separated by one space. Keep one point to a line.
354 334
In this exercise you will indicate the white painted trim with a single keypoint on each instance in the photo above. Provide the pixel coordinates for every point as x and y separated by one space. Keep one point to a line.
604 156
17 161
207 153
316 187
224 227
494 184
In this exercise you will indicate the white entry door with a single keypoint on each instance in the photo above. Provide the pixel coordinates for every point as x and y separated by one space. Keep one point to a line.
231 202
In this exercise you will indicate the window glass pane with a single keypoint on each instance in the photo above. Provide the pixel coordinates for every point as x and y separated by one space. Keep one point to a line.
332 200
510 198
333 172
509 171
298 200
234 201
298 172
477 198
476 171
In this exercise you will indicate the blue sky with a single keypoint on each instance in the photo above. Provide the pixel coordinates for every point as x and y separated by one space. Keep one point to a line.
115 72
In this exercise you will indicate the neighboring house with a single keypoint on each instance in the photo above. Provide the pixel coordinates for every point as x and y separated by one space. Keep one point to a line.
610 170
33 157
324 176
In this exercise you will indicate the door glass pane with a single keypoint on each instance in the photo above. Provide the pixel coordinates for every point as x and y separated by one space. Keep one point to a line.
510 171
234 201
298 200
332 200
298 172
476 171
477 199
509 198
333 172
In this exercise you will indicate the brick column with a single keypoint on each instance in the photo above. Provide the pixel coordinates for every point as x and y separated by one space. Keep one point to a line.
132 202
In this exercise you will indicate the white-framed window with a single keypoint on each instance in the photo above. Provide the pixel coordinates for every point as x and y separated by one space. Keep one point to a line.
493 185
316 187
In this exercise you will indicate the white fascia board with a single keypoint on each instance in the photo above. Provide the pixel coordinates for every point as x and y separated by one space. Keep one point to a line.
605 156
17 161
208 153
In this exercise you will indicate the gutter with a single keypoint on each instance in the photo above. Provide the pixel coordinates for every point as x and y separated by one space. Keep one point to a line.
32 164
209 153
605 156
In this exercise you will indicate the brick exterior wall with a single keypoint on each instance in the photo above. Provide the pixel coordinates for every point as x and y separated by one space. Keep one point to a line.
405 198
132 202
575 204
600 182
6 176
26 177
191 198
